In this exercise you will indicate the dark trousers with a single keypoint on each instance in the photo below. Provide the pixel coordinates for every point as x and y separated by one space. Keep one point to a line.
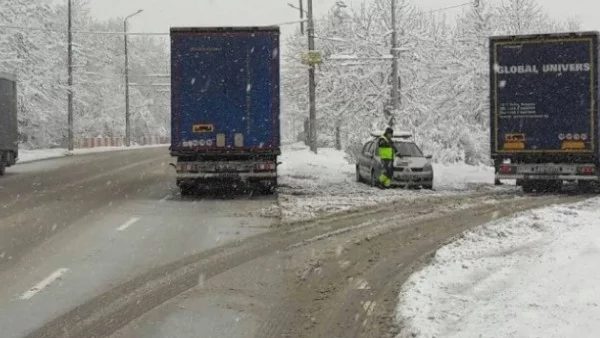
387 173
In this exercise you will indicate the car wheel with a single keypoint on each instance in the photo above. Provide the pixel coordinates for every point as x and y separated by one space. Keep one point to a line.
2 169
428 187
374 182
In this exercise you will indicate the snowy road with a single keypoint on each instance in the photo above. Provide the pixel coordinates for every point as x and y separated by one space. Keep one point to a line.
99 245
72 228
334 278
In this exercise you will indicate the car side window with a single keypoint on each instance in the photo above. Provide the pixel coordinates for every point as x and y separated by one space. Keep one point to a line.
371 149
367 148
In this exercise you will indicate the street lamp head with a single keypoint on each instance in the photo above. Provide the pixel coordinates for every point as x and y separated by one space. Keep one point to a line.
133 14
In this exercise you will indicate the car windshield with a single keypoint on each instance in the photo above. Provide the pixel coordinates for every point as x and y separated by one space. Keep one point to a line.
408 149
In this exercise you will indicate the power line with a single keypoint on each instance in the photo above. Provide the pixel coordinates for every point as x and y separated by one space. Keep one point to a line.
449 7
25 28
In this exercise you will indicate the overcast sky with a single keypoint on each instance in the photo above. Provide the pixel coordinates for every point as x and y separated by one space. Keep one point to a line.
159 15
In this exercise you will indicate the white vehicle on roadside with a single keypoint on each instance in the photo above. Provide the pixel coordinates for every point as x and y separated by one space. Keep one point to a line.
411 167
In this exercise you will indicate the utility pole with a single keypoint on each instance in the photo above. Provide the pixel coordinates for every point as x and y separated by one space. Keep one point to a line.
394 52
311 81
70 77
127 122
127 116
301 6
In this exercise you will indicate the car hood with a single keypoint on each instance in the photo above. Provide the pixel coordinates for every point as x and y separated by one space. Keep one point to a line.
412 162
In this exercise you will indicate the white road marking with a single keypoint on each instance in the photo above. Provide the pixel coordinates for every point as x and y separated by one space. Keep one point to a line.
371 308
164 199
362 284
43 284
127 224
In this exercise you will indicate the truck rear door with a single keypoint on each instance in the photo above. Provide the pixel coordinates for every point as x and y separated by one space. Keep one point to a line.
225 89
543 94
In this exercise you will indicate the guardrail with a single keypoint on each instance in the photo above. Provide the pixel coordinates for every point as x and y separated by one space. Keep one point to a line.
98 142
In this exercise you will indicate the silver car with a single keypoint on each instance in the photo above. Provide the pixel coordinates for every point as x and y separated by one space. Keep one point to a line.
411 167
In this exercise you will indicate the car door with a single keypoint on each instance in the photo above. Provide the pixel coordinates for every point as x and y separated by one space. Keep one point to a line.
374 162
364 162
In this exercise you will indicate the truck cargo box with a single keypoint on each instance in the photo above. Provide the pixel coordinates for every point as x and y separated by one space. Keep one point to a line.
8 113
225 90
543 96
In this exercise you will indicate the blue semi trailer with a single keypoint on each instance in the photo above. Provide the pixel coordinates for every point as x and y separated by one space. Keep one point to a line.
544 109
9 149
225 106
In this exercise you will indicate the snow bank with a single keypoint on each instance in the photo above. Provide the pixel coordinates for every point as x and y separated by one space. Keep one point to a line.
43 154
534 275
312 185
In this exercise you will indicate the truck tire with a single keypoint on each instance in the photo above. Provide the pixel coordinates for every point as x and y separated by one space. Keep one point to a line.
586 186
555 186
271 187
186 190
528 187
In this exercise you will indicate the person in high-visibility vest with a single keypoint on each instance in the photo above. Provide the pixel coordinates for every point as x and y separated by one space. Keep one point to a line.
387 151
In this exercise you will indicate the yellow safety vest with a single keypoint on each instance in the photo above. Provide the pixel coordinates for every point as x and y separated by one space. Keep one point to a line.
386 152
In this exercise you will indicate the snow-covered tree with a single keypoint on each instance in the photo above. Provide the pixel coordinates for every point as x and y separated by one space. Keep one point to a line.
35 50
443 71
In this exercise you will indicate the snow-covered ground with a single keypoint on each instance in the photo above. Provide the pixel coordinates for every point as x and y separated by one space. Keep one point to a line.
43 154
533 275
312 185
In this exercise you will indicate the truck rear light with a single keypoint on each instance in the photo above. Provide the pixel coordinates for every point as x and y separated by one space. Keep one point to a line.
507 169
587 170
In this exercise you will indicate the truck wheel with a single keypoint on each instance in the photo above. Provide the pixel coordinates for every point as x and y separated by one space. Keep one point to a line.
555 186
186 190
586 186
528 187
271 187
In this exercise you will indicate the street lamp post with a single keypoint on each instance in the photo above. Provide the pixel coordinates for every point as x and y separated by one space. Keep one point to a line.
127 122
300 8
70 78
